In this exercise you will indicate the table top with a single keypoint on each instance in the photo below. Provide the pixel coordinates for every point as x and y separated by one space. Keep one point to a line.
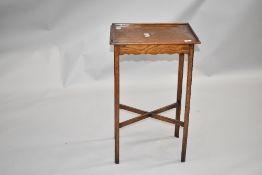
152 33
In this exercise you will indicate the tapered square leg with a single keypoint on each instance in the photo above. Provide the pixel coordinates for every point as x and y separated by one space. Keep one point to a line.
187 102
116 93
179 91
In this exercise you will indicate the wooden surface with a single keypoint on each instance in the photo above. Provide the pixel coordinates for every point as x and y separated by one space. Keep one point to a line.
154 114
155 39
157 33
179 91
153 49
187 102
116 82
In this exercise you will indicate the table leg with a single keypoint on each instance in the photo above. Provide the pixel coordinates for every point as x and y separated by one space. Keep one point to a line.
187 102
179 91
116 92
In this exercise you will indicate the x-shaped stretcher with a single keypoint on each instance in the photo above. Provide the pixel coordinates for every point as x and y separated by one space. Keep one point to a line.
153 114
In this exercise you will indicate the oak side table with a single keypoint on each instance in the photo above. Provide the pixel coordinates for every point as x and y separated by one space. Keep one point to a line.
154 38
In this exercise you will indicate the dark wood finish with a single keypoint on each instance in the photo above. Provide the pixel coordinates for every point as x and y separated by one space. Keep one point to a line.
144 114
155 38
116 74
156 111
187 103
179 91
165 108
153 114
132 109
159 33
167 119
153 49
133 120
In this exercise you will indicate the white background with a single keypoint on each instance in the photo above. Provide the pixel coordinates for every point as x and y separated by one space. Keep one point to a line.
56 89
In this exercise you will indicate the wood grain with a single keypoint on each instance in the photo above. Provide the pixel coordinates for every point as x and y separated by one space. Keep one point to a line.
153 49
187 102
116 89
159 33
179 91
154 38
153 114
